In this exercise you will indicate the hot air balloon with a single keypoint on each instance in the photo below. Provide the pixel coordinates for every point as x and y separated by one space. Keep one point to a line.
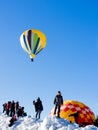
32 41
70 108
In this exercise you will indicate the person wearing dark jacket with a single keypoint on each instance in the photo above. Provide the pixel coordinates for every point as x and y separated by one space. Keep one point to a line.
12 113
58 101
38 107
12 120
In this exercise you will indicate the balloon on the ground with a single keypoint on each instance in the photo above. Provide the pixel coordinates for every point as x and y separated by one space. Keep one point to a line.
33 41
70 107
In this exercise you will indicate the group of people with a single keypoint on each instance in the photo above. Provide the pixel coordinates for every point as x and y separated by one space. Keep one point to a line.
58 101
14 110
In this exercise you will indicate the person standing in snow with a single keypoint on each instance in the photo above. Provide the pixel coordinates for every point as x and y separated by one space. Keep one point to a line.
12 113
4 107
58 101
38 107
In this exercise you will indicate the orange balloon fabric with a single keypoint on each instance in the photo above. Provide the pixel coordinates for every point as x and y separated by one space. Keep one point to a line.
70 107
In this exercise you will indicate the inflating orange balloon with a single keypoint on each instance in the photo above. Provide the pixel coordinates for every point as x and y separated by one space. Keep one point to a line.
75 111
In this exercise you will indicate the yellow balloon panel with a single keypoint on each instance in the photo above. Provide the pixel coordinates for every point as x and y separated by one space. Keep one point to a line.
66 116
42 37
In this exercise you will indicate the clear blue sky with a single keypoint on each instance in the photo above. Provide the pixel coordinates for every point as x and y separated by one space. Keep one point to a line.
69 62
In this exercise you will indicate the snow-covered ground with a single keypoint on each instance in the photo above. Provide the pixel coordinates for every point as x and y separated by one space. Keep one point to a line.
49 123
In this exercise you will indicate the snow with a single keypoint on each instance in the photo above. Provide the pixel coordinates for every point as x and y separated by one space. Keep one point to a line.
48 123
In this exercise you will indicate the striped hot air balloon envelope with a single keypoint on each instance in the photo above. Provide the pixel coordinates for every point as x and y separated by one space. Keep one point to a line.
33 41
71 107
